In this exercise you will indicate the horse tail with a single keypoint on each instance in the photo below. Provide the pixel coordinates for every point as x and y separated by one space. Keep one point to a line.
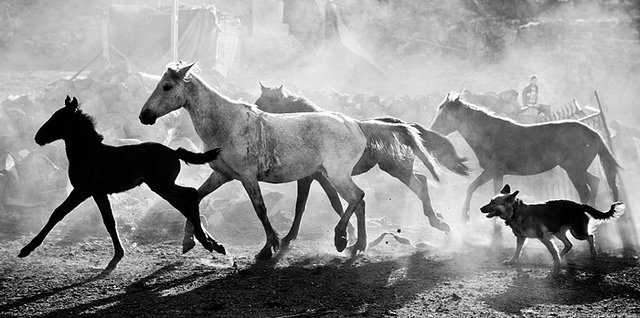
616 210
442 148
197 158
438 146
610 166
384 140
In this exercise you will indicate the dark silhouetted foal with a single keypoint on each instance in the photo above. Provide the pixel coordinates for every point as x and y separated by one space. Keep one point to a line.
96 170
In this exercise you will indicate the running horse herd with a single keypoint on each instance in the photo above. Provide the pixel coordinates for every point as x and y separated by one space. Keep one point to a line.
285 138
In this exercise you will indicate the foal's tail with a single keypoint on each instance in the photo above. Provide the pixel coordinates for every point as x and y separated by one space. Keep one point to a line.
386 139
616 210
437 145
610 166
197 158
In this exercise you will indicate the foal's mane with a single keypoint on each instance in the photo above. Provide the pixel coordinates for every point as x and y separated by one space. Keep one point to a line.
88 124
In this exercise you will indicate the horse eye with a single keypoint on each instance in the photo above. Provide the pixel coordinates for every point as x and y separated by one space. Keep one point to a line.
167 87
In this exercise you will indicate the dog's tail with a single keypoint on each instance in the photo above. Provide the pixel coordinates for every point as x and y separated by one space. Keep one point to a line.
197 158
616 210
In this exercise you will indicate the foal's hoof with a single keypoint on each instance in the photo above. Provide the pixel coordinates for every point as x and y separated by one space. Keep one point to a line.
219 248
187 246
24 253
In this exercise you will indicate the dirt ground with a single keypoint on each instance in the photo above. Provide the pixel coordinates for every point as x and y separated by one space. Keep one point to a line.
446 277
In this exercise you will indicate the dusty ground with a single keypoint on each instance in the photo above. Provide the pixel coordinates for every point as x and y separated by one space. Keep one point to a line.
61 279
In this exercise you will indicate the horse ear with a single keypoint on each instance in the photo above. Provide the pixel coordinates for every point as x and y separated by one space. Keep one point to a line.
447 98
262 88
67 101
280 88
506 189
458 98
74 103
185 70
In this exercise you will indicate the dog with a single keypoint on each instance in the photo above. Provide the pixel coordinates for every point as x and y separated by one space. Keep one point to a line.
543 220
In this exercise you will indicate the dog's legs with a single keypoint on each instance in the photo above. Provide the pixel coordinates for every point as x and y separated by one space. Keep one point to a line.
520 240
580 230
562 236
546 240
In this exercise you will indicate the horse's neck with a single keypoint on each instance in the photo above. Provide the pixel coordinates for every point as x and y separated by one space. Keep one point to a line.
79 149
477 122
212 114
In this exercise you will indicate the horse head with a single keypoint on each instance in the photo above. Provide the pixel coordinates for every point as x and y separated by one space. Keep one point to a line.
170 94
445 121
60 125
271 98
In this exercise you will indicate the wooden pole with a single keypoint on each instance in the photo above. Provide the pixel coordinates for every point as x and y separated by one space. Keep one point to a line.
627 228
174 31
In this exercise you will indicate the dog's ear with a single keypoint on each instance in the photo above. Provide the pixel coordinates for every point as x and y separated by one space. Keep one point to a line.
506 189
512 197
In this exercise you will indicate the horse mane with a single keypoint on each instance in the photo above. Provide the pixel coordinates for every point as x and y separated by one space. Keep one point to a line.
88 124
476 109
302 102
172 69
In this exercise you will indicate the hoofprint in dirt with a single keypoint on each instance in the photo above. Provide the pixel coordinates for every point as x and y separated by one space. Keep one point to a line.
312 280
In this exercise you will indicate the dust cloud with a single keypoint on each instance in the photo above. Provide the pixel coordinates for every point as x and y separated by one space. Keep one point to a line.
405 54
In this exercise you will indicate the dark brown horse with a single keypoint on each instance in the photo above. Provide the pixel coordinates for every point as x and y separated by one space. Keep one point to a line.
504 147
96 170
278 100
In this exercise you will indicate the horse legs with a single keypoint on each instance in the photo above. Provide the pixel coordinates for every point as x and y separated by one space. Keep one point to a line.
212 183
578 179
273 242
185 200
110 223
71 202
301 201
354 196
334 199
418 184
593 182
498 181
303 193
481 179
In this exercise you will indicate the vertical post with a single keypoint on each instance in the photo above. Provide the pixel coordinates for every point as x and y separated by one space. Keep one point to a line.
174 31
106 51
627 228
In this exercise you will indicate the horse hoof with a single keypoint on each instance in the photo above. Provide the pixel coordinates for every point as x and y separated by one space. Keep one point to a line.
265 254
187 246
341 243
441 225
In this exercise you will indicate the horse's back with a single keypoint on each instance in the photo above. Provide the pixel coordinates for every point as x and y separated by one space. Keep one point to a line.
318 139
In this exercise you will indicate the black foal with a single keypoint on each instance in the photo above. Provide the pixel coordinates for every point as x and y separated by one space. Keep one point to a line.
96 169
